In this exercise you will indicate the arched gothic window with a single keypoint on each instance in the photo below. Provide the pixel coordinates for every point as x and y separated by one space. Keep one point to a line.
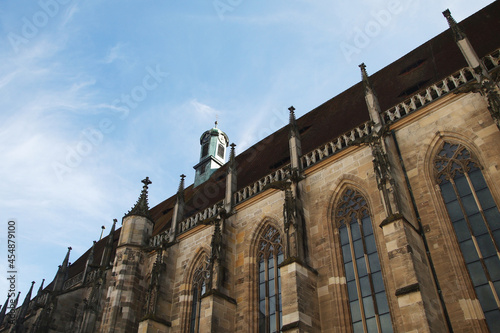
270 255
476 221
365 286
198 289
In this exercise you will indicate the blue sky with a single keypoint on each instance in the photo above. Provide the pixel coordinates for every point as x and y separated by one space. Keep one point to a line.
97 95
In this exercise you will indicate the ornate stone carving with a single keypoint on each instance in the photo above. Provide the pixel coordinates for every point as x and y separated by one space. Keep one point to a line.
215 267
154 285
385 180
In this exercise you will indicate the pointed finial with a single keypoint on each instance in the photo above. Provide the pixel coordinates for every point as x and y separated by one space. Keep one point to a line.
16 301
41 288
294 131
292 114
181 184
364 74
90 258
141 207
28 295
4 309
111 234
102 231
146 182
364 77
232 154
24 307
366 80
457 32
106 254
66 259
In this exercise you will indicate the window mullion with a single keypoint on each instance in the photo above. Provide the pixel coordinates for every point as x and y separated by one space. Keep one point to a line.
474 194
490 233
466 218
369 272
474 240
198 311
276 291
356 277
266 260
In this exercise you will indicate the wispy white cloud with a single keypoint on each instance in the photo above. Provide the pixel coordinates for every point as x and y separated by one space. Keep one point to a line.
203 110
114 53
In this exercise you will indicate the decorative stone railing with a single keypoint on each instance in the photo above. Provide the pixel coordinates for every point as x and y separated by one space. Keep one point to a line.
492 60
78 279
73 281
429 94
161 238
257 187
42 299
334 146
438 89
187 224
194 220
92 275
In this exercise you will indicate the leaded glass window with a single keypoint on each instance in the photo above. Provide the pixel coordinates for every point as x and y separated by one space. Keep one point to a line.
199 288
476 221
270 255
365 286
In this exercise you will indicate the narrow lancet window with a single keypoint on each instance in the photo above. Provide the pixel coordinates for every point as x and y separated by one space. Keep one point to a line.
199 288
476 221
365 286
270 255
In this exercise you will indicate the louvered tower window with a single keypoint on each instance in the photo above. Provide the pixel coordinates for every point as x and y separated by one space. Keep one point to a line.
269 257
476 221
365 286
220 150
199 288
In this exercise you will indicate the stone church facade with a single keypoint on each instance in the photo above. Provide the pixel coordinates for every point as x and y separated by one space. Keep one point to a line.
375 212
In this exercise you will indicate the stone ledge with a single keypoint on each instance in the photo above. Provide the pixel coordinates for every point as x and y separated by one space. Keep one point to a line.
157 319
408 289
298 261
396 217
291 326
215 292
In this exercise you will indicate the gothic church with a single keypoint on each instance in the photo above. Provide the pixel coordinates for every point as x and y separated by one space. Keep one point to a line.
375 212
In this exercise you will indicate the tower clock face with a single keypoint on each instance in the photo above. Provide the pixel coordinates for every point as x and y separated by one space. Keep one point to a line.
222 139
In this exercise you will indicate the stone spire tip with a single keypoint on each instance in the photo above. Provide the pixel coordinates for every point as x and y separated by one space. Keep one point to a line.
141 207
457 32
181 184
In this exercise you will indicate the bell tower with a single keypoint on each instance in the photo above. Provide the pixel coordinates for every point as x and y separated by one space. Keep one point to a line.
212 154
